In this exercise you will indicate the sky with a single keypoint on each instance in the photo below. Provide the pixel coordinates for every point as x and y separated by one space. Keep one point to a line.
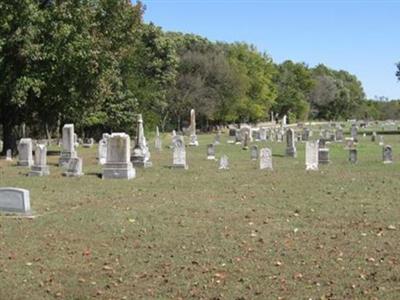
361 37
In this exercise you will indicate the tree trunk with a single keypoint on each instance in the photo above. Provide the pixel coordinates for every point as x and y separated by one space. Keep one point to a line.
8 136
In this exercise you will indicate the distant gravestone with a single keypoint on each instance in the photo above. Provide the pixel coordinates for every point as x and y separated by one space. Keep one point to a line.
305 134
373 137
14 200
339 134
9 155
158 141
25 153
40 167
102 150
68 144
353 156
387 154
118 164
232 136
265 159
210 152
321 143
254 152
88 143
74 167
238 137
323 156
217 139
245 144
312 155
381 142
263 134
179 155
223 163
290 143
353 132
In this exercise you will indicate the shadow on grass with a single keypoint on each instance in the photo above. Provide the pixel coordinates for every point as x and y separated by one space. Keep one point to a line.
278 155
98 175
53 153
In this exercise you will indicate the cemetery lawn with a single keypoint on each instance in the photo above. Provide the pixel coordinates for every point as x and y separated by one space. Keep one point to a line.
208 234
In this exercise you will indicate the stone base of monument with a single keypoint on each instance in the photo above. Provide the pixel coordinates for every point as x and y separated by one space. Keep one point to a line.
142 164
72 174
39 171
210 157
25 163
65 158
193 141
180 166
291 152
118 171
323 156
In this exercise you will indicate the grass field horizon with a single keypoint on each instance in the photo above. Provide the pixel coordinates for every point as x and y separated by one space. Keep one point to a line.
205 233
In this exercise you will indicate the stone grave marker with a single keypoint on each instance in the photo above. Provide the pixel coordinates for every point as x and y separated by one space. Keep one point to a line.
312 155
68 144
223 163
14 200
290 143
254 152
118 164
193 135
323 156
353 155
210 152
265 159
25 157
40 167
9 155
179 155
158 141
74 167
387 154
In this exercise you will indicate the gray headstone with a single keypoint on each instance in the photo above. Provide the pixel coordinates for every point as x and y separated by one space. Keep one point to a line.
387 154
353 156
118 164
14 200
353 132
290 143
157 141
68 144
373 137
223 163
312 155
254 152
323 156
210 152
74 167
40 167
193 136
25 153
263 134
245 144
339 134
265 159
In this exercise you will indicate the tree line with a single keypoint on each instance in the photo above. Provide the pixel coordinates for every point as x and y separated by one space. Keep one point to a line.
96 63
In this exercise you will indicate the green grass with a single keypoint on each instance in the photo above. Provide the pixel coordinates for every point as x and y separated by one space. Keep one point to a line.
208 234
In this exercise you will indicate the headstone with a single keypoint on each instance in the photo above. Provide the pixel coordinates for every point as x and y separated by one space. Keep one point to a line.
68 144
158 141
349 143
339 134
77 141
140 154
323 156
74 167
387 154
290 143
246 129
254 152
321 143
238 137
210 152
9 155
263 134
353 155
193 136
217 139
223 163
245 144
102 150
265 159
118 164
373 137
40 167
353 132
179 155
25 153
284 120
381 143
305 134
14 200
88 143
312 155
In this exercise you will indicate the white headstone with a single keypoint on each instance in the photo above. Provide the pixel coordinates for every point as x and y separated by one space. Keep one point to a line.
68 144
210 152
25 153
193 136
40 167
140 153
290 143
265 159
74 167
14 200
312 155
223 163
179 155
118 164
9 155
158 141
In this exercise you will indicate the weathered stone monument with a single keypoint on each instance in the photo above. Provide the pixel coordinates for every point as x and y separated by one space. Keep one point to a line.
339 134
312 155
88 143
25 157
9 155
140 153
102 150
193 135
373 137
263 134
179 155
158 141
323 156
14 200
74 167
353 155
353 132
305 134
118 164
40 167
68 145
254 152
387 154
217 139
381 142
265 159
223 163
210 152
245 144
290 143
